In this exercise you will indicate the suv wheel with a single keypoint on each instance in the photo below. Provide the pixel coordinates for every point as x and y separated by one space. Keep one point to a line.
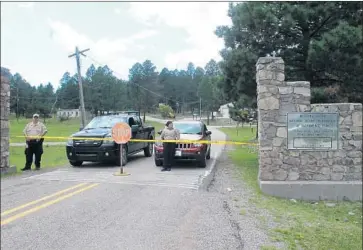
208 154
203 162
76 163
148 151
158 163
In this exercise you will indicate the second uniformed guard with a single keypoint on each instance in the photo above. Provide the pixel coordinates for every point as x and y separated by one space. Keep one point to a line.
169 133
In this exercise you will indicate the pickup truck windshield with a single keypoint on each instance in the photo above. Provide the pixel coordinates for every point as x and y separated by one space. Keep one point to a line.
188 128
104 122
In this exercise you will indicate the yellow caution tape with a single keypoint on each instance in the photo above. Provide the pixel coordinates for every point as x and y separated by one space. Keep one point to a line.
144 140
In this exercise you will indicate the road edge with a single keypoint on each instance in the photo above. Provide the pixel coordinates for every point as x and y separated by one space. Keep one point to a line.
8 171
206 179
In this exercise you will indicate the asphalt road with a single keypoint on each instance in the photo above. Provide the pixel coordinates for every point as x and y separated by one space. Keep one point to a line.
90 208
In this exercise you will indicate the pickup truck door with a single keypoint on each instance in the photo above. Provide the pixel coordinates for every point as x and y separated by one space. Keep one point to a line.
141 134
133 146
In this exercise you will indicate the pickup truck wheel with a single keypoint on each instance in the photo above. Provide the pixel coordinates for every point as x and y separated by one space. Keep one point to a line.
76 163
124 157
148 151
158 163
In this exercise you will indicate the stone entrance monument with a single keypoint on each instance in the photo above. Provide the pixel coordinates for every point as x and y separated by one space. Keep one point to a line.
5 110
306 151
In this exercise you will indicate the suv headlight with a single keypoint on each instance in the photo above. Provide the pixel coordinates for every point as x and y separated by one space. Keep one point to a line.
108 141
197 145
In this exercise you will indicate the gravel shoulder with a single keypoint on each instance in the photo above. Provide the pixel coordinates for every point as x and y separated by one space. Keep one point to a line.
250 223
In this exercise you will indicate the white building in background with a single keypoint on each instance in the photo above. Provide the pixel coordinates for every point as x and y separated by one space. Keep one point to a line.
224 110
71 113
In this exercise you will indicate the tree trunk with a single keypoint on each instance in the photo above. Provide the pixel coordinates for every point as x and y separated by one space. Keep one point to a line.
144 117
183 105
208 118
305 53
257 127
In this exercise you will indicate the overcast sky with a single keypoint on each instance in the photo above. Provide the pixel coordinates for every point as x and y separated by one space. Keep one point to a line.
36 38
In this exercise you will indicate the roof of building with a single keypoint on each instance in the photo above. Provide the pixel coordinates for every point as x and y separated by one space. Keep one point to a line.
227 104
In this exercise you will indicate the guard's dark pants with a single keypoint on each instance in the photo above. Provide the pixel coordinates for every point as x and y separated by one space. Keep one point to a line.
168 154
34 148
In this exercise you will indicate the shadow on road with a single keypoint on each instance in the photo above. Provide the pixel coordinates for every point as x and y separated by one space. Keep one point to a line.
133 161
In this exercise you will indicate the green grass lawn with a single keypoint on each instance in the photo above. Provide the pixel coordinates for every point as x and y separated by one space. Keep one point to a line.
158 126
178 116
221 122
55 128
308 225
54 156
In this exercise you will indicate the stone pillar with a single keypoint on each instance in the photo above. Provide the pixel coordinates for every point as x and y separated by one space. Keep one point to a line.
5 110
275 98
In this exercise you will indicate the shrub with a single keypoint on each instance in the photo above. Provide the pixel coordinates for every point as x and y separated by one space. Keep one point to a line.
63 118
318 95
165 111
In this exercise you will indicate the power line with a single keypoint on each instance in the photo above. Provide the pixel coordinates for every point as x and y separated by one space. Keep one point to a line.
119 75
91 87
146 89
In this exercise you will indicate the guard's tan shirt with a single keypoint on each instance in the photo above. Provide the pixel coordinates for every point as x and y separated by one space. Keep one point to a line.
32 129
170 134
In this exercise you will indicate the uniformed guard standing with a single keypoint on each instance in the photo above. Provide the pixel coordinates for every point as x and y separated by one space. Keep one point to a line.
169 133
34 131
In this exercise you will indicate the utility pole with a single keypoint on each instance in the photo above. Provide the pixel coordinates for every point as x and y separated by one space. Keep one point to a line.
55 102
81 98
200 108
17 103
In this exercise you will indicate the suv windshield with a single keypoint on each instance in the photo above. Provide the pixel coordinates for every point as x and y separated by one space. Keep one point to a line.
104 122
188 128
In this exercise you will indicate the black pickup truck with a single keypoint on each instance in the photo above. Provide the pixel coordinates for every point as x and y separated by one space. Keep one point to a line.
106 150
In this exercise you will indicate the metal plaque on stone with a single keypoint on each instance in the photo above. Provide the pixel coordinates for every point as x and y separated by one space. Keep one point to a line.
312 131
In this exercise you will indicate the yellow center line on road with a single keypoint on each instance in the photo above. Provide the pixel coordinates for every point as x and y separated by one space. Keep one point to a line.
32 210
41 199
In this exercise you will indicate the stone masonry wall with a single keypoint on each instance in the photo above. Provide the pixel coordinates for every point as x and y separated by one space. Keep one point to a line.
5 110
346 163
276 98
